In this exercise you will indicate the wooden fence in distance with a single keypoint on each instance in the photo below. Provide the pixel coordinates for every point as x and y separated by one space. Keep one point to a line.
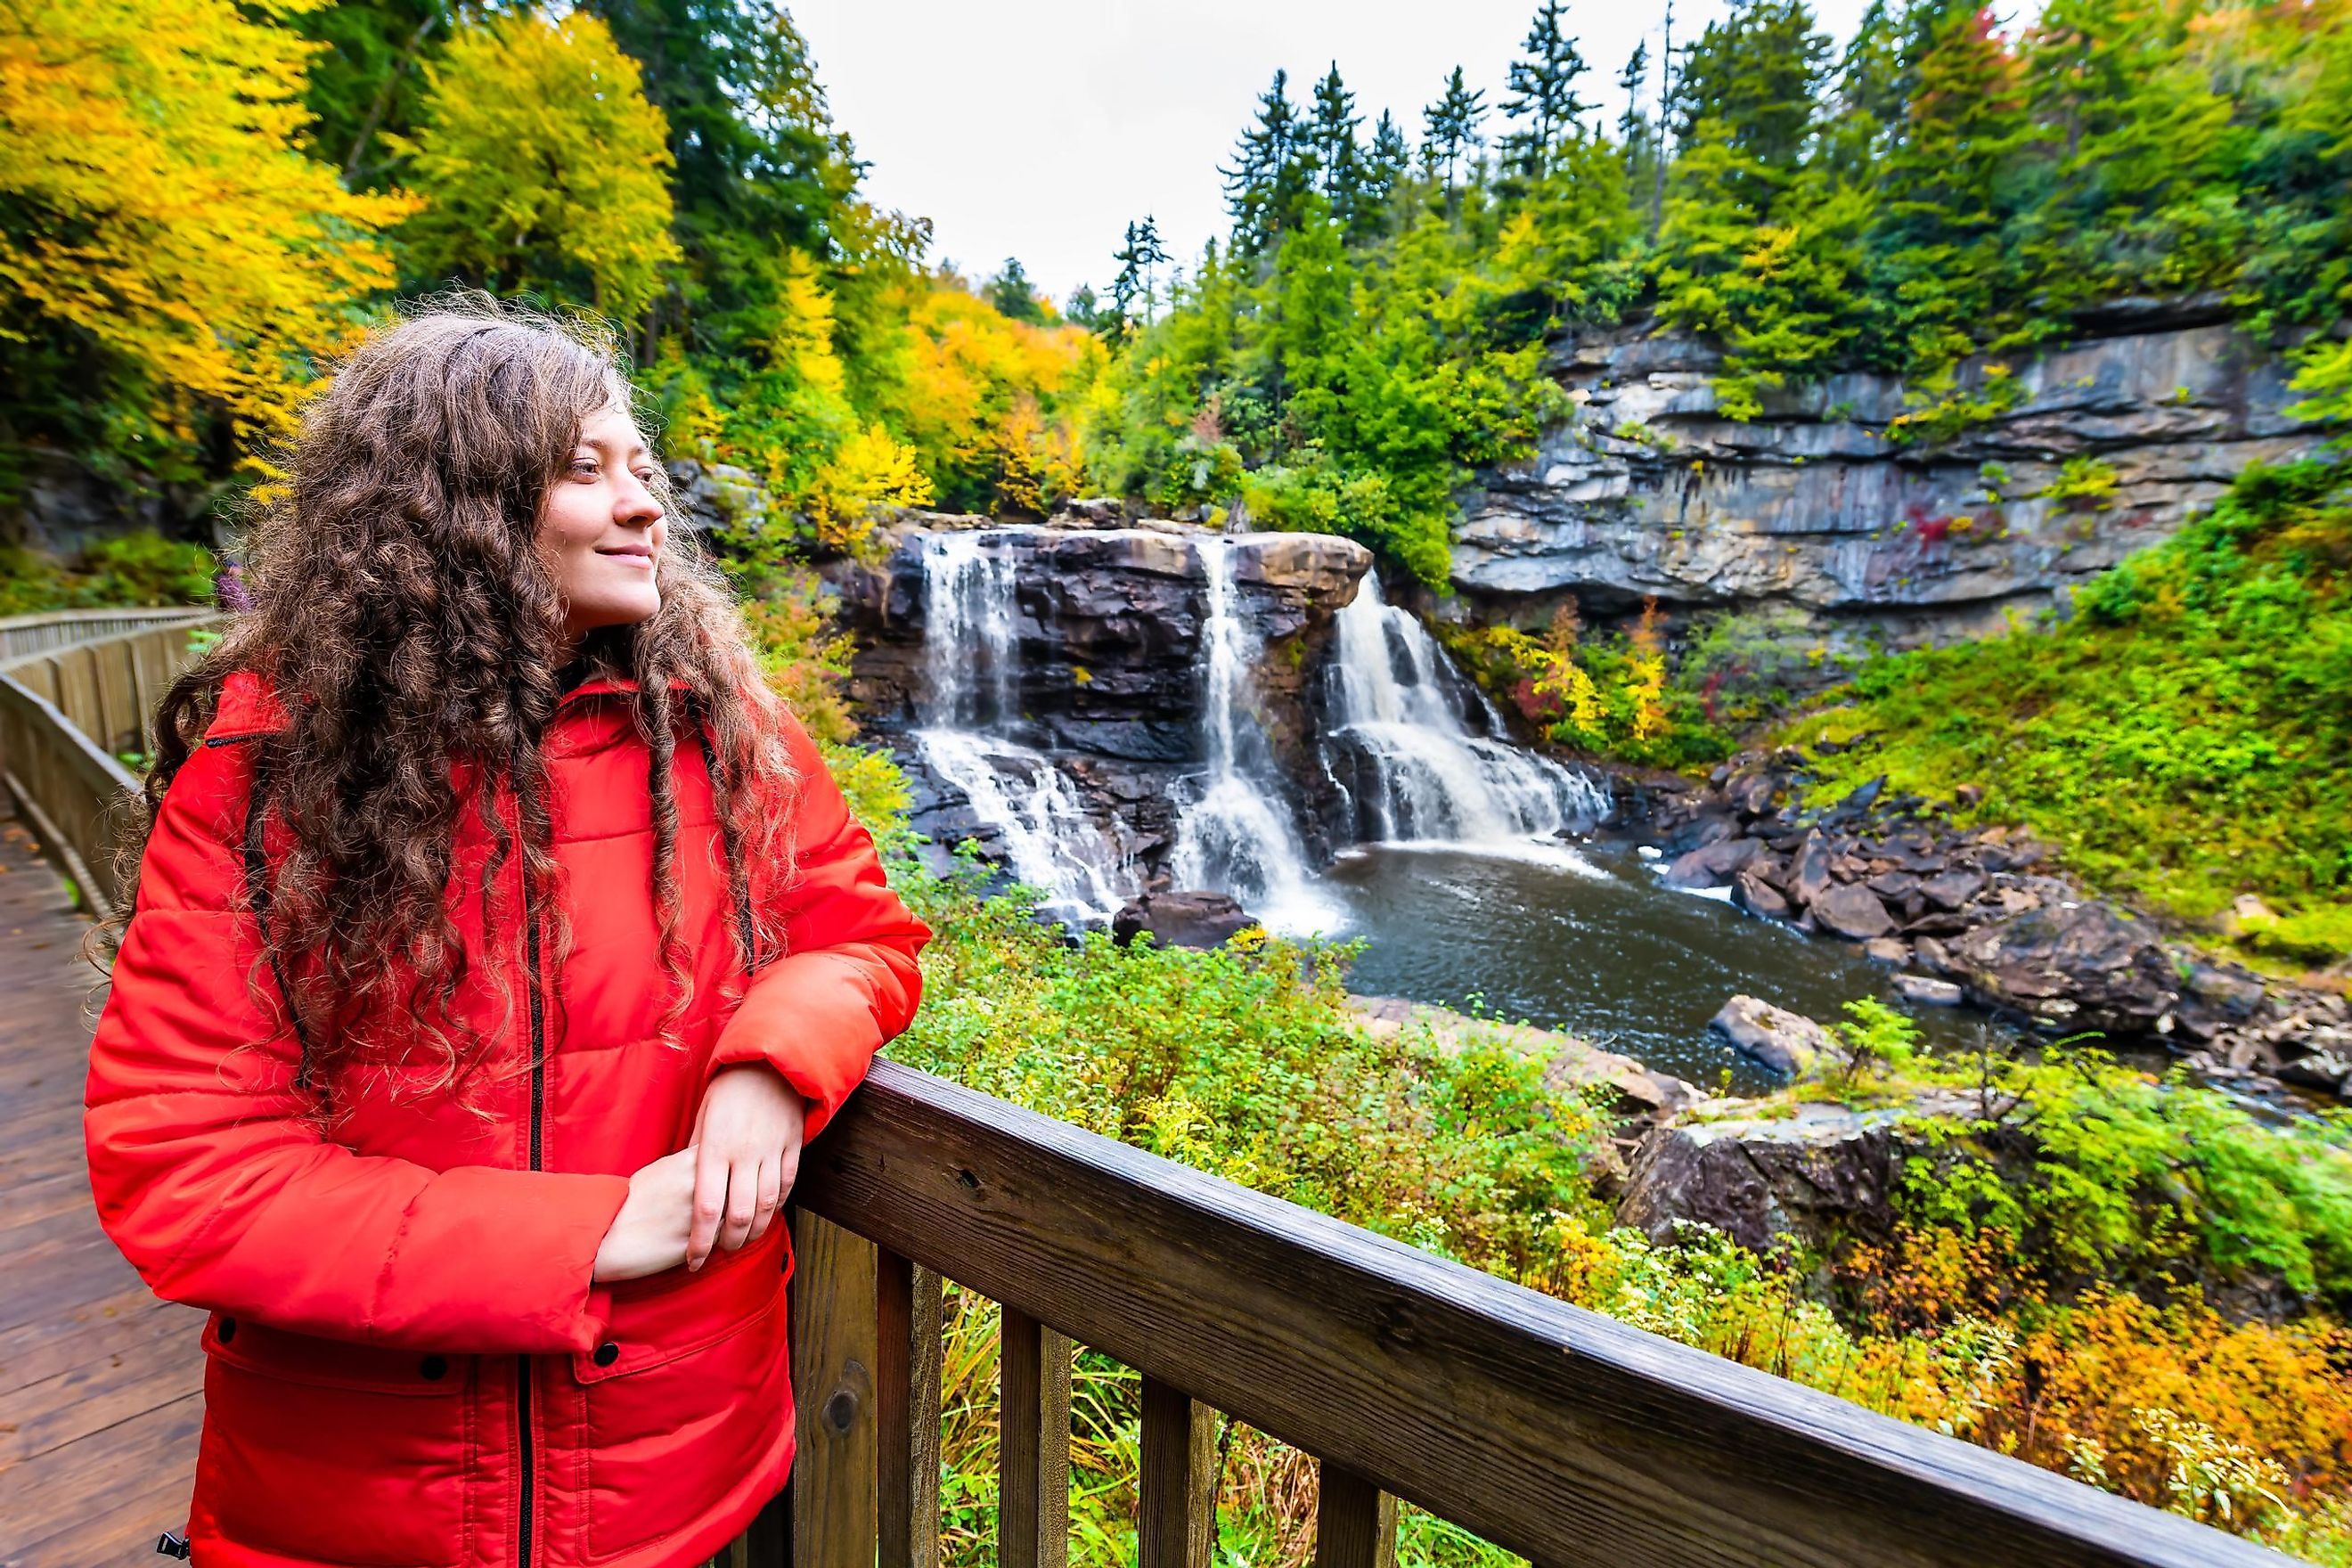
1558 1434
76 689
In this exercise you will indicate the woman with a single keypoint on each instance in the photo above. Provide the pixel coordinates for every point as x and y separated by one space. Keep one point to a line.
498 941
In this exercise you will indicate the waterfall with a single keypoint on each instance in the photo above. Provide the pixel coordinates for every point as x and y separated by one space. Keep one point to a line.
968 610
1397 706
1236 835
972 661
1052 845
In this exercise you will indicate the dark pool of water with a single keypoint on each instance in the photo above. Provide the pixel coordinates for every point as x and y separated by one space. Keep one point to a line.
1591 941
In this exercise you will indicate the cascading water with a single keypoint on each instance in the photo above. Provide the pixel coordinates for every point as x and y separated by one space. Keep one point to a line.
968 649
1423 776
1236 835
972 665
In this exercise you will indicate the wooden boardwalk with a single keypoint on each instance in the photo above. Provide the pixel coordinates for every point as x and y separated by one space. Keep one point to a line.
99 1382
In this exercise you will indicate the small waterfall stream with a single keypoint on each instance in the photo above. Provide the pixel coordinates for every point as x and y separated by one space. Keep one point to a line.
1426 778
971 655
1237 835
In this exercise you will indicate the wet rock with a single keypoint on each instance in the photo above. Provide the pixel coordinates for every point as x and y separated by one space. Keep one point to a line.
1758 897
1894 886
1181 919
1808 877
1852 912
1713 865
1929 992
1752 794
1783 1041
2088 967
1887 950
2228 989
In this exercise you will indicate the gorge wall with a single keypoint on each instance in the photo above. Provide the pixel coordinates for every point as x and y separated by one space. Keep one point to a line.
1647 489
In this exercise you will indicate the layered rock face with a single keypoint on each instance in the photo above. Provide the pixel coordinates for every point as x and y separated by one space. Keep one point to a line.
1817 506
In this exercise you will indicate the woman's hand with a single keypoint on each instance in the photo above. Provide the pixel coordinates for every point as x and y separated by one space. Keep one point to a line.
649 1234
747 1143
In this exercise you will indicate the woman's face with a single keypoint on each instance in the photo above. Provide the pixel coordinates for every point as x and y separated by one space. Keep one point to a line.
601 531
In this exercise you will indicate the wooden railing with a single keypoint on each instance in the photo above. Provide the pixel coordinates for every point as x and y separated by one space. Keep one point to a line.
1560 1434
76 688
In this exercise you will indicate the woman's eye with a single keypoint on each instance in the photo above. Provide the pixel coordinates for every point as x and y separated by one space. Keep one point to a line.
584 467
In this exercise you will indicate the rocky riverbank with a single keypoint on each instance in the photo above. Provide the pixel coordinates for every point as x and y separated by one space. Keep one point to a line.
1979 915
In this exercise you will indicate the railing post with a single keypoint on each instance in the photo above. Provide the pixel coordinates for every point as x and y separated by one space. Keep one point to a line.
833 1354
1355 1522
906 1411
1033 1480
1176 1519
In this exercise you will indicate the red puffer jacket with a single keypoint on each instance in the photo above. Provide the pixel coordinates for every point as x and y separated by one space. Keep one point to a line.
409 1364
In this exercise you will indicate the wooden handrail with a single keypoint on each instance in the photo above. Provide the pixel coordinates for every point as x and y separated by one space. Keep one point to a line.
65 708
1557 1433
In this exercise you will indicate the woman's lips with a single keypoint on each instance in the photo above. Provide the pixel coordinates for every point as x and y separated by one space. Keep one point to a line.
630 554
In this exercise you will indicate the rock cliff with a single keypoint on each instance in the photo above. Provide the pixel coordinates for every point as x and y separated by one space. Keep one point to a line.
1647 489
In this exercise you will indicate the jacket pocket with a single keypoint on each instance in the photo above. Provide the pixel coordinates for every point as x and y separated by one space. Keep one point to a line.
320 1451
689 1389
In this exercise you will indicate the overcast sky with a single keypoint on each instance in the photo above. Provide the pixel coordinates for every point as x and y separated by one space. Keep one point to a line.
1038 128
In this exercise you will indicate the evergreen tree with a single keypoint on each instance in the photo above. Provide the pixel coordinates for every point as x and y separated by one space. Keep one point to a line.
1634 125
1873 87
758 168
1272 173
1948 186
1450 137
1753 78
1331 139
1137 257
1013 295
1386 162
1543 94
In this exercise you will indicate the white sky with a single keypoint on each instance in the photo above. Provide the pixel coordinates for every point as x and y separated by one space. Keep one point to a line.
1038 128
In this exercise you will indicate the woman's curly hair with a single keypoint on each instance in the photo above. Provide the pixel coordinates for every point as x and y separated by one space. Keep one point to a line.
408 627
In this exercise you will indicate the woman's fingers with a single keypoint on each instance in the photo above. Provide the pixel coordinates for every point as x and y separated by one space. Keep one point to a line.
742 1203
710 1184
771 1195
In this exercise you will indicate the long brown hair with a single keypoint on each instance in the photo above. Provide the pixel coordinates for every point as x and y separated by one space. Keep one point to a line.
413 638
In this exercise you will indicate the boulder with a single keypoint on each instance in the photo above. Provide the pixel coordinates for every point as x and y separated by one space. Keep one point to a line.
1852 912
1954 888
1181 919
1889 950
2088 967
1785 1042
1758 897
1809 876
1713 865
1927 991
1796 1180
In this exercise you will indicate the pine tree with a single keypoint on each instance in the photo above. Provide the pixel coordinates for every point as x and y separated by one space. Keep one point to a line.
1948 186
1632 125
1386 164
1754 79
1128 286
1543 94
1012 294
1449 136
1273 171
1331 137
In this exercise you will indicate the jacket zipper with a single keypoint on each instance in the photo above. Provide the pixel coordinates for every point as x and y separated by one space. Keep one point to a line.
538 1109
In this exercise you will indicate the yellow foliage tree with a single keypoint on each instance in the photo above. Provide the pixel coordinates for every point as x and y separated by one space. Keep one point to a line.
984 398
870 469
157 209
544 165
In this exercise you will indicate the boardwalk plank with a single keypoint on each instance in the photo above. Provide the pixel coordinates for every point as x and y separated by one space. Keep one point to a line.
100 1406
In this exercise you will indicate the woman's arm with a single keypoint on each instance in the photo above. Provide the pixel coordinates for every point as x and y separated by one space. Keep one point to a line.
848 980
214 1182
